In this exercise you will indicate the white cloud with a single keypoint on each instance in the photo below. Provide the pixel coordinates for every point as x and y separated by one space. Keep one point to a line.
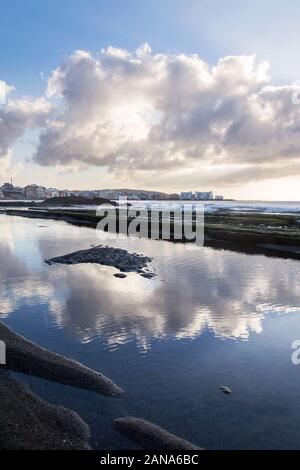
16 116
162 115
9 169
144 111
4 91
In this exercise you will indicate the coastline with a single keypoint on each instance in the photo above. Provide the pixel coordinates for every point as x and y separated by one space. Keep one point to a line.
270 234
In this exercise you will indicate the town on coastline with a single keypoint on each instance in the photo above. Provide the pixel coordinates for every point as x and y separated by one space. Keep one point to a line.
36 192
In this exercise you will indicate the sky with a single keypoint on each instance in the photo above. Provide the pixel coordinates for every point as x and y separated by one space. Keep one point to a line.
170 95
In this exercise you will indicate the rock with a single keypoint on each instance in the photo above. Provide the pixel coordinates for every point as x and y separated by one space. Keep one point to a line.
105 255
27 357
120 275
150 436
225 390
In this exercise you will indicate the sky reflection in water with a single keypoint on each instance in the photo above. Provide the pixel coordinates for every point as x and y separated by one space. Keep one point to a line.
209 314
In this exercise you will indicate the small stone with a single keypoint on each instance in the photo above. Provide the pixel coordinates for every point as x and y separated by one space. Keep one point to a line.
120 275
225 390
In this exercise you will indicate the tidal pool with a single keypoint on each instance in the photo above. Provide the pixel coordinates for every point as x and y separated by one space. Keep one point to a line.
209 318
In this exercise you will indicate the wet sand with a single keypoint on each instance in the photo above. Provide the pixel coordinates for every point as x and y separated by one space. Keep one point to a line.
29 423
150 436
27 357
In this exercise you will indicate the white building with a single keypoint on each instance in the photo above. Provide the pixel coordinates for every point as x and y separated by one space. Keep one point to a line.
51 192
33 191
204 196
186 195
64 193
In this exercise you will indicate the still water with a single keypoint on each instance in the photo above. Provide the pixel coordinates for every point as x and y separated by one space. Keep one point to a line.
209 318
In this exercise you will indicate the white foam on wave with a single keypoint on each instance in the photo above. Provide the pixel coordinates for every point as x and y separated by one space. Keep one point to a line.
209 207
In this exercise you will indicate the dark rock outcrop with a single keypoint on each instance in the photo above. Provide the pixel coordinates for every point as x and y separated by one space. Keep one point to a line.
108 256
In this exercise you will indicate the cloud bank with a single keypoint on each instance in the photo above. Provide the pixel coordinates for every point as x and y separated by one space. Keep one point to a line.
17 116
145 112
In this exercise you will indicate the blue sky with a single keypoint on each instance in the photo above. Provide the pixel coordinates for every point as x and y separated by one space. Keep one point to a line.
36 35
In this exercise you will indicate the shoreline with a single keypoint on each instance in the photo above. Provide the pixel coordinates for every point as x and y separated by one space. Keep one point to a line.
269 234
27 421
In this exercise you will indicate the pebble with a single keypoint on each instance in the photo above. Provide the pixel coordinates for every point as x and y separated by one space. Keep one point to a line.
225 390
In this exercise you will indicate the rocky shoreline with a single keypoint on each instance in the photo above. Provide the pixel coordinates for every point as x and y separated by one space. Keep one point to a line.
270 234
